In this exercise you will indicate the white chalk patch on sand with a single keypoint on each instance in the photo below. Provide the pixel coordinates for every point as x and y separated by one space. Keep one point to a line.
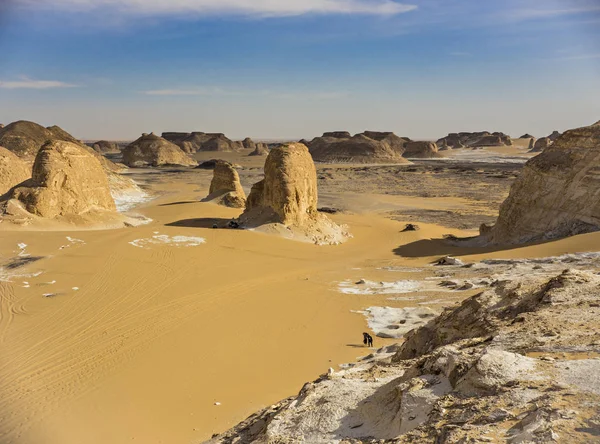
163 239
401 269
75 289
389 322
72 241
371 287
9 275
127 200
22 247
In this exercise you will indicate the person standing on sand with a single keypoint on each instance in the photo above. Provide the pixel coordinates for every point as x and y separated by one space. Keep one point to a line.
367 340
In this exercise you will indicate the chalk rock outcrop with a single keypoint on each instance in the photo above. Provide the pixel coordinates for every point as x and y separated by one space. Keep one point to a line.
13 170
225 187
338 134
105 147
526 136
477 139
468 375
152 150
541 144
369 147
249 144
199 141
66 180
557 193
287 197
421 150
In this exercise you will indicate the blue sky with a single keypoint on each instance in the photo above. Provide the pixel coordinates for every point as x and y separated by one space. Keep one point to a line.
295 68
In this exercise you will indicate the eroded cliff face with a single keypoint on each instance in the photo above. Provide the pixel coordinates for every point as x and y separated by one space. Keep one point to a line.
556 195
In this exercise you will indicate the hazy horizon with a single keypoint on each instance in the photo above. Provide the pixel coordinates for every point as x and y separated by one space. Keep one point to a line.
107 69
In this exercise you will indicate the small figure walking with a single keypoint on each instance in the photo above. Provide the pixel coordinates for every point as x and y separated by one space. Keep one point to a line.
367 339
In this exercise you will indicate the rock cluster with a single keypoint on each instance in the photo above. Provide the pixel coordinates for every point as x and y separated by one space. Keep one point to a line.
288 196
66 180
199 141
225 187
494 369
261 150
556 194
152 150
477 139
367 147
13 170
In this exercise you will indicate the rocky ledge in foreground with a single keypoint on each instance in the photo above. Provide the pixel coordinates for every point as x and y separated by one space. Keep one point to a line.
516 363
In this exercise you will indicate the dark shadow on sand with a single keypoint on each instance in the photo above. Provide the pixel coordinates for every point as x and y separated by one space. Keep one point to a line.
356 345
178 203
18 262
445 247
203 222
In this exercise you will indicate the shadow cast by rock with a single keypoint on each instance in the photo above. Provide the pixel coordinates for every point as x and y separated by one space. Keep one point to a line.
203 222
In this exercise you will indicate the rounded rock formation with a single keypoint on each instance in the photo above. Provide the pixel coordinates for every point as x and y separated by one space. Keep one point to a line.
225 187
66 180
288 196
152 150
248 144
261 150
541 144
556 195
105 147
26 138
421 150
380 148
13 170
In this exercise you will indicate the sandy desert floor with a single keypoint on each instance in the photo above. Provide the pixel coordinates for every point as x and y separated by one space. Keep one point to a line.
133 335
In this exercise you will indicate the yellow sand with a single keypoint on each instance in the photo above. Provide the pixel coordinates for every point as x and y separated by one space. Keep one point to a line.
155 337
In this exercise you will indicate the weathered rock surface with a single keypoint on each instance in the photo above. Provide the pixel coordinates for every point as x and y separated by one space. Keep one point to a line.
152 150
421 150
225 187
557 193
555 135
369 147
199 141
494 369
526 136
338 134
288 196
66 180
105 147
13 170
477 139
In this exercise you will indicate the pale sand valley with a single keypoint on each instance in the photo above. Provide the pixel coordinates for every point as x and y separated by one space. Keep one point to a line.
189 288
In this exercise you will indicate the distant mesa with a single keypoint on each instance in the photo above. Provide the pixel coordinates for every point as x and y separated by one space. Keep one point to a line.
105 147
368 147
13 170
285 201
556 195
474 140
248 144
199 141
155 151
424 150
66 180
225 187
526 136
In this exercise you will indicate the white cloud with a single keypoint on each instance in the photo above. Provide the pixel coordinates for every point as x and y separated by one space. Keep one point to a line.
34 84
261 8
